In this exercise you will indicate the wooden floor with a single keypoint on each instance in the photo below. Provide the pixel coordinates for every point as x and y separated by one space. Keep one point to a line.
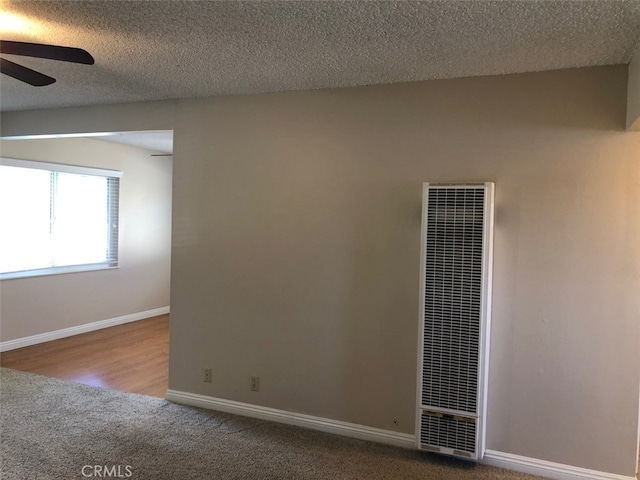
133 357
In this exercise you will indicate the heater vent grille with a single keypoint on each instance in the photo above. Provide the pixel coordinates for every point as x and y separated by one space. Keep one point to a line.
447 431
453 298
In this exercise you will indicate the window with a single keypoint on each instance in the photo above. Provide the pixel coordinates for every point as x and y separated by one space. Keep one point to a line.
56 218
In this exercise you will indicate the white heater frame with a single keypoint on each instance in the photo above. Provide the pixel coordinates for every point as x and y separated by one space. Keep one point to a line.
485 322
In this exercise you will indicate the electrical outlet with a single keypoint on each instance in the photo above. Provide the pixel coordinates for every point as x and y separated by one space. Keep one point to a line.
255 384
207 375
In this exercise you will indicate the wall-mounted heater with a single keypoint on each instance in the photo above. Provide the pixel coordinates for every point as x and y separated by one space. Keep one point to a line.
455 297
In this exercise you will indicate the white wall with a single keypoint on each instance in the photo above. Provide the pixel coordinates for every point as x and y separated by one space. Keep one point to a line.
296 239
31 306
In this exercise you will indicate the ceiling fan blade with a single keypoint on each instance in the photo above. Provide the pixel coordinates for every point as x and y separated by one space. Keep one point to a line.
53 52
25 74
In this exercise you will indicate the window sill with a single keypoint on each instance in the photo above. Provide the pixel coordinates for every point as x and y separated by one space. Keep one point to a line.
45 272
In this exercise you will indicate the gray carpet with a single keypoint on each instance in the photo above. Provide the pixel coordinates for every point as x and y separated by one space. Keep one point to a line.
51 429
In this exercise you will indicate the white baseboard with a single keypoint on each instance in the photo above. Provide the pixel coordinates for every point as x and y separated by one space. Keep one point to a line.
87 327
555 471
345 429
508 461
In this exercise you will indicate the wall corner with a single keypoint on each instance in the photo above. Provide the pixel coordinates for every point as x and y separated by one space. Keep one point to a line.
633 92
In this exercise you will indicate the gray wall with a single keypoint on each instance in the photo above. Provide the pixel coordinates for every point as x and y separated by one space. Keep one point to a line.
98 118
296 252
296 234
36 305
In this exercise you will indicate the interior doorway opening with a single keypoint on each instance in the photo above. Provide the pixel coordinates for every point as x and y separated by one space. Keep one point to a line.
85 314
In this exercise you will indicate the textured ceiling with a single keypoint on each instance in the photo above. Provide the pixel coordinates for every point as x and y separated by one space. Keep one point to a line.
148 50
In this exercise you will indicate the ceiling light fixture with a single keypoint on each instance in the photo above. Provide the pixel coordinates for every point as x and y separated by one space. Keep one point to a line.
12 23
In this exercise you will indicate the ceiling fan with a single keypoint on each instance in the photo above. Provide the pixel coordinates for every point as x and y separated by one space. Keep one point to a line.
38 50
